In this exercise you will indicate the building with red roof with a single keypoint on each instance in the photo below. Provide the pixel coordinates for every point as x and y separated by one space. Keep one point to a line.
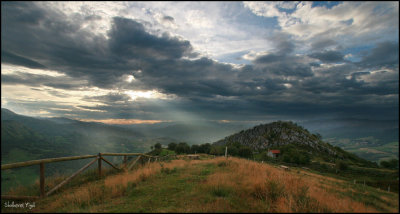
274 153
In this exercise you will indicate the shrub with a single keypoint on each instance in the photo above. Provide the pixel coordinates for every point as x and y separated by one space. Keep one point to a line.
269 190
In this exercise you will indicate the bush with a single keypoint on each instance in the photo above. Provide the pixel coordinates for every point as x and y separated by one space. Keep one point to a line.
341 165
220 191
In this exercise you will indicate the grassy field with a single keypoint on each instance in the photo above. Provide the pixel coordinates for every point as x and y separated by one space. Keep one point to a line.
214 185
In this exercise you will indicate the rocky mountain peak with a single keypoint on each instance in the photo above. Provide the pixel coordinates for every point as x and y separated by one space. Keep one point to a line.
275 134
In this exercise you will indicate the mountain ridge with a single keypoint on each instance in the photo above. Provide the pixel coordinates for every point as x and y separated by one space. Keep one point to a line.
275 134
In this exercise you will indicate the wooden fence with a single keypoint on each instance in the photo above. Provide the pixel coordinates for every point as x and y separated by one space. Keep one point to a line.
99 158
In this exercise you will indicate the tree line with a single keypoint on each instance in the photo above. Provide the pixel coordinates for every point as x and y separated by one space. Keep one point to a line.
206 148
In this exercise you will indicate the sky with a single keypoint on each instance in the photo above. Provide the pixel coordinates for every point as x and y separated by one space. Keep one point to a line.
152 62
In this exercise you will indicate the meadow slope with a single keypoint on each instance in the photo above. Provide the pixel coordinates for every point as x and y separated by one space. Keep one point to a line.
217 185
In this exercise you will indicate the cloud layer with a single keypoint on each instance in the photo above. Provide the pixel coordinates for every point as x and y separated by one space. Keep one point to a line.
86 61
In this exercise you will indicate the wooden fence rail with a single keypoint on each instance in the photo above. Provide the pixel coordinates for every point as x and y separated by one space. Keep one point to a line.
48 160
99 157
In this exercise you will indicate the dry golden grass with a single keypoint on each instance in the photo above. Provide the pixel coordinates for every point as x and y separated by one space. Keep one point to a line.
118 183
285 191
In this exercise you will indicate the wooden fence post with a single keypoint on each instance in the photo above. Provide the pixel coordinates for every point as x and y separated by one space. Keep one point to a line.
99 161
42 180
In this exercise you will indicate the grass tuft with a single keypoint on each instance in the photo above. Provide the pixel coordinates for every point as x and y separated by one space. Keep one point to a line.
220 191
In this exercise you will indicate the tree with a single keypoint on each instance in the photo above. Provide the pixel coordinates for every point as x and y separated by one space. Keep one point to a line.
182 148
217 150
205 148
172 146
233 151
304 159
286 158
295 158
391 164
394 163
245 152
195 149
157 146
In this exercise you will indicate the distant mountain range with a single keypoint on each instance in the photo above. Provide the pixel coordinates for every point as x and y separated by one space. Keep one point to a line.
74 137
345 133
352 128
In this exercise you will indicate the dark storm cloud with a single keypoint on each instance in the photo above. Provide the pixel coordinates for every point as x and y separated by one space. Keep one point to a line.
385 54
278 83
110 98
59 43
281 61
129 39
283 65
322 43
282 42
169 18
40 80
19 60
328 56
54 40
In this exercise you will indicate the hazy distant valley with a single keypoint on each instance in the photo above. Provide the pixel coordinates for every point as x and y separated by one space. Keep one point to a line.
78 138
25 138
